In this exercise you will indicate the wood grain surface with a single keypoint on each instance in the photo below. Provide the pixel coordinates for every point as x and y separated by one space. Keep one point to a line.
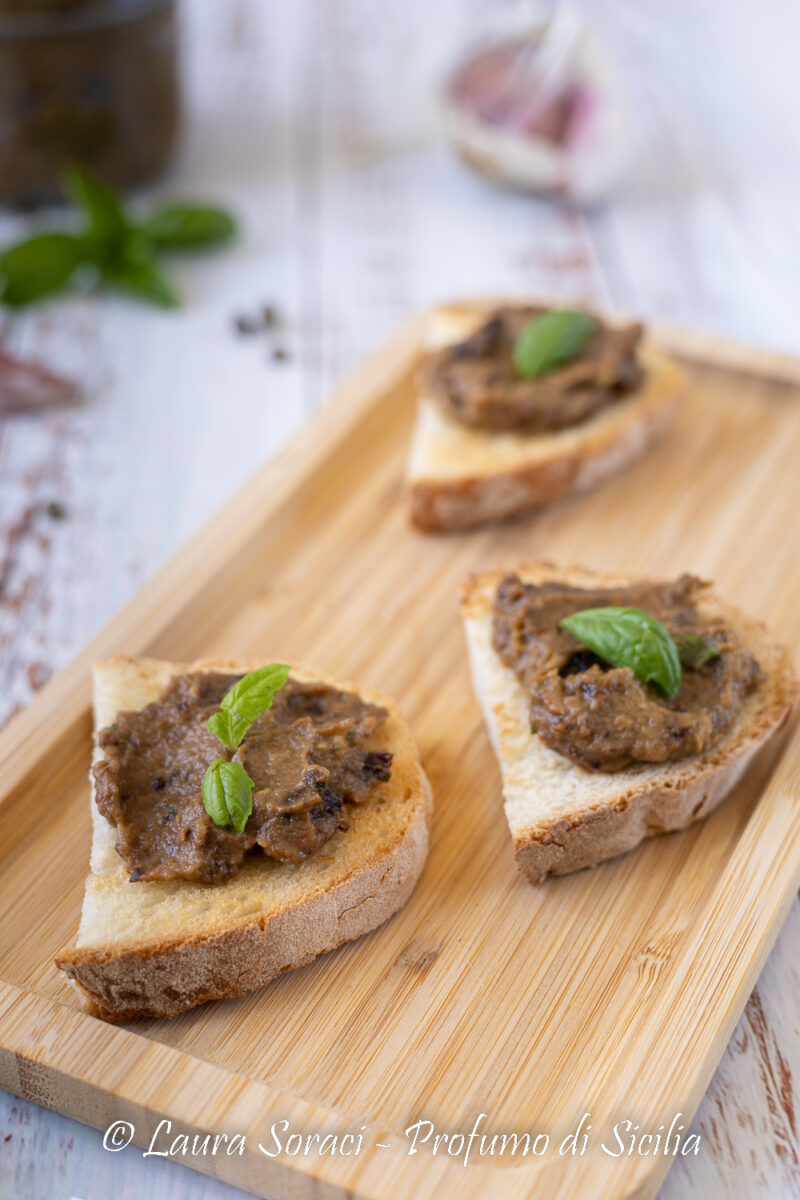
612 991
308 119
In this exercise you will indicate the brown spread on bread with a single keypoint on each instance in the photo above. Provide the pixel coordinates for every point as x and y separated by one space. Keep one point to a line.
313 752
603 717
475 381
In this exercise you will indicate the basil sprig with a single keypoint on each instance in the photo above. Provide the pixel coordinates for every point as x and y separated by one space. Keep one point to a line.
629 637
551 339
245 701
227 789
111 246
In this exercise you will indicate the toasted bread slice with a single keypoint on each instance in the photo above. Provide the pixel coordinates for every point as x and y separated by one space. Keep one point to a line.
563 817
154 949
458 477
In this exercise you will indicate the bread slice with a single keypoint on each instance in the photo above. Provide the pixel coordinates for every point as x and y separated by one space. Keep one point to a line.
458 477
563 817
153 949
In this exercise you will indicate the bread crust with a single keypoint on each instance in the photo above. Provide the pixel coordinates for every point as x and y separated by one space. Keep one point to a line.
459 478
604 815
162 976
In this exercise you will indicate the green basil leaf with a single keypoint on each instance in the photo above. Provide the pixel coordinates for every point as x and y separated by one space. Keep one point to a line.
551 339
246 700
256 691
629 637
100 204
131 267
143 280
694 650
187 227
220 726
39 266
228 794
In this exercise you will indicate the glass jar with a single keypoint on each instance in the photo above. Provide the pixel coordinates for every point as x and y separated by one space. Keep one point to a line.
85 81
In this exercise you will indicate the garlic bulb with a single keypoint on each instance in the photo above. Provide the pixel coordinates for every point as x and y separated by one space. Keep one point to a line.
541 111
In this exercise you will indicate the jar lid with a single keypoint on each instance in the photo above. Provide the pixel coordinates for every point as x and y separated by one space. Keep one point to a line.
52 18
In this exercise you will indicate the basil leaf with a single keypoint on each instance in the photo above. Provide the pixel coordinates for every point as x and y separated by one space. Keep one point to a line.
253 695
694 650
551 339
39 266
187 226
143 280
131 268
100 204
228 794
629 637
220 726
245 701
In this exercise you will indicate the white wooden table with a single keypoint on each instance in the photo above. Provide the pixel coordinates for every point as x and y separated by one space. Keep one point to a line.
314 121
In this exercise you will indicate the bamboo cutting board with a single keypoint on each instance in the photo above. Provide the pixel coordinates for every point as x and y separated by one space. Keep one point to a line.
610 992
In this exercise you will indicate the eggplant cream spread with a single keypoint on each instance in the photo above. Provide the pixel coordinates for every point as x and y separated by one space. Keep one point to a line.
475 381
603 717
308 756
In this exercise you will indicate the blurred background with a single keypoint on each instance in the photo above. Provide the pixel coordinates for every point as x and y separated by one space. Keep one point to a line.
326 128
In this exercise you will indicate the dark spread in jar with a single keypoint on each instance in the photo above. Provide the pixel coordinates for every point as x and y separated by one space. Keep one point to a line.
475 381
92 82
310 755
603 717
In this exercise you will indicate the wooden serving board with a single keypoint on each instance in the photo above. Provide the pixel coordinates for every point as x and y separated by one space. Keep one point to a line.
611 991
